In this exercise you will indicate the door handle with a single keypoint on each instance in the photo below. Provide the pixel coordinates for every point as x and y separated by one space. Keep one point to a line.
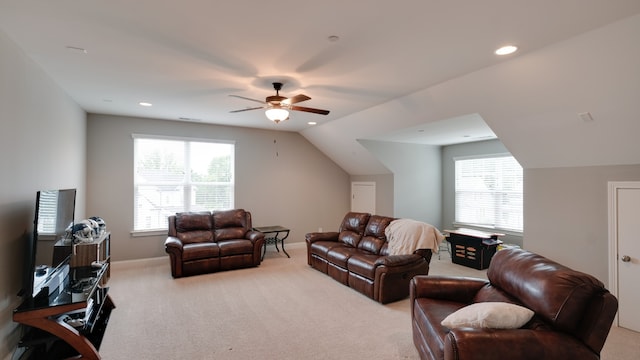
626 258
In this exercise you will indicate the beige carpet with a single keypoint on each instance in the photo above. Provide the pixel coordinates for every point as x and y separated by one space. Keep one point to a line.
282 309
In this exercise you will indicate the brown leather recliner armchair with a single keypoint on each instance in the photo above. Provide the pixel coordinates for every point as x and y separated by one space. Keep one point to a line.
204 242
573 311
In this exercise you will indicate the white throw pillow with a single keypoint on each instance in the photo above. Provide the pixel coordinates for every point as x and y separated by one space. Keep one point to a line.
492 315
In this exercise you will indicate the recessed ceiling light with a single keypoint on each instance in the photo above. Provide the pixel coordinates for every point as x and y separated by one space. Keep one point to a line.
142 103
506 50
333 38
311 123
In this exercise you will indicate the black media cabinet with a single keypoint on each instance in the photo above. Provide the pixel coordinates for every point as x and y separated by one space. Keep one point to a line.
472 248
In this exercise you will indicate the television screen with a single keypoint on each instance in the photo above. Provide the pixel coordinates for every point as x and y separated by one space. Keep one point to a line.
48 250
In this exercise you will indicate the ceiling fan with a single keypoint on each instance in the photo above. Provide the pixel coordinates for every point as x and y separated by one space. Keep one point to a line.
278 106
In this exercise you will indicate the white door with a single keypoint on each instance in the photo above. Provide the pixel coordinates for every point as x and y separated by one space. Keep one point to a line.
363 197
627 262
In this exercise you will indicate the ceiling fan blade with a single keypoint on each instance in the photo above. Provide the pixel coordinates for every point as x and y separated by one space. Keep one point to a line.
247 109
250 99
296 99
311 110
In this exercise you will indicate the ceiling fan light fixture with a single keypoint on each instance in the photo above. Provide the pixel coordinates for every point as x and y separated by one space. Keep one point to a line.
277 114
277 107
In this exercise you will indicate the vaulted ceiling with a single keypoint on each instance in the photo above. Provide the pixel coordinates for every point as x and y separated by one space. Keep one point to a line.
420 71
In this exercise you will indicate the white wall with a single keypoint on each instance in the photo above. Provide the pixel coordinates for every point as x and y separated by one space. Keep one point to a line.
288 183
565 214
42 146
417 180
384 191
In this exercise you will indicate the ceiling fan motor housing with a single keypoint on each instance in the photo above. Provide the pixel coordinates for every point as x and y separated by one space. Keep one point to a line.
275 99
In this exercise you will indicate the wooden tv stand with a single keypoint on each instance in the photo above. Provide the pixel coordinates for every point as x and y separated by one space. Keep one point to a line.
70 322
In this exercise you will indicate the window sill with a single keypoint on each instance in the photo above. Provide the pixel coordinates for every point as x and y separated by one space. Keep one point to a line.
488 229
144 233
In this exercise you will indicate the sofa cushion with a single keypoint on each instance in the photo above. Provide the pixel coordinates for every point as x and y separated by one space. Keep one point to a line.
374 234
491 293
340 255
489 315
352 228
230 233
322 247
363 265
194 227
230 224
235 247
371 244
561 294
349 238
189 221
354 221
198 251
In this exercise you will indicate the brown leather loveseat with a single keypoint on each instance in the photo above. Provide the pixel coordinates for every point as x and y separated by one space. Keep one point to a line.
357 256
204 242
572 312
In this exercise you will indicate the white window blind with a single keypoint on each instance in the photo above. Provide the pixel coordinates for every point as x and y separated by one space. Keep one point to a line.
488 193
176 175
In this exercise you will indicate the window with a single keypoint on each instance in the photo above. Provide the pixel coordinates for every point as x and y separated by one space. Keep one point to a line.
174 175
488 192
47 213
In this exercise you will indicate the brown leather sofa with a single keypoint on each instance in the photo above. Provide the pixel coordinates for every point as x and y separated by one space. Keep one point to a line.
204 242
357 256
572 311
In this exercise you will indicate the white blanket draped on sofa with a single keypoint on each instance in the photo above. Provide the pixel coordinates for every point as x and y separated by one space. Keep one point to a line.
407 235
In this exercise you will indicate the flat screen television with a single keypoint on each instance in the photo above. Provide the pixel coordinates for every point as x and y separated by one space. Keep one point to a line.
48 252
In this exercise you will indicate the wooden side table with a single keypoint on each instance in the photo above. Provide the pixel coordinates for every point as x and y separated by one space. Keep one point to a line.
271 237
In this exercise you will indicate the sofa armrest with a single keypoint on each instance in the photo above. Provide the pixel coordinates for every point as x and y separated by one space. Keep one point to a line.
522 344
459 289
254 235
425 253
398 260
173 244
321 236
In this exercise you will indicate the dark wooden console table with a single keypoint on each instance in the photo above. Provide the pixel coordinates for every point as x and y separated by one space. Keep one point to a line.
272 237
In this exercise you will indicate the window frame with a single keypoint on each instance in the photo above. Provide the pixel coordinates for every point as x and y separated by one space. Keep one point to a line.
187 183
